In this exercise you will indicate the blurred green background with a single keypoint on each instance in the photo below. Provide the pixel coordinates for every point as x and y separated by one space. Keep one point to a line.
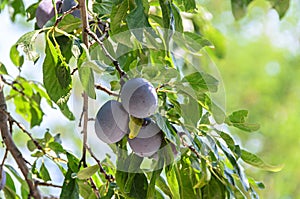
261 73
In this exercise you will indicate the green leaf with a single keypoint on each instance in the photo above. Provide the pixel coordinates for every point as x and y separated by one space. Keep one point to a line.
103 7
178 21
139 186
86 76
115 85
186 6
85 189
56 147
138 19
184 176
87 172
73 163
3 70
65 45
15 56
172 181
27 104
151 187
238 120
161 183
214 189
280 6
166 127
254 160
30 145
30 11
69 23
10 189
97 66
27 43
118 17
17 8
228 139
239 8
57 87
165 9
202 82
70 189
44 173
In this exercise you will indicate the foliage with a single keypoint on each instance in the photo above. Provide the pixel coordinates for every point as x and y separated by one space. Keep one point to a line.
140 41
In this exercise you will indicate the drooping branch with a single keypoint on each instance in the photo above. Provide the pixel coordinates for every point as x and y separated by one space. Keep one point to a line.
12 148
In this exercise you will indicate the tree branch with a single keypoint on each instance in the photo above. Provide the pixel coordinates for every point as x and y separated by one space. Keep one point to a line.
12 148
109 92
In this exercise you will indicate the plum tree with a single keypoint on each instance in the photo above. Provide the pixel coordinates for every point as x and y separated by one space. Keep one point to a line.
148 130
45 11
145 147
139 98
111 122
2 179
67 5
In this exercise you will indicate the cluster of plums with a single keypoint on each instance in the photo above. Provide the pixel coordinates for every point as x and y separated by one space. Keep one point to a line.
138 100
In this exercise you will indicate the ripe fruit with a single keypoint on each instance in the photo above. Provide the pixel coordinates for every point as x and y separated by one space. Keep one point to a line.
145 147
67 5
148 130
2 179
45 11
111 122
139 98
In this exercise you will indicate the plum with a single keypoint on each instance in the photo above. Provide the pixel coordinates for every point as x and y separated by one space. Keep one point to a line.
67 5
148 130
45 11
111 122
145 147
139 98
2 179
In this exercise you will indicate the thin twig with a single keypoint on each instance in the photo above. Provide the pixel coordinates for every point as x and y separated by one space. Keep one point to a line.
109 92
13 86
65 14
108 177
46 184
107 54
74 70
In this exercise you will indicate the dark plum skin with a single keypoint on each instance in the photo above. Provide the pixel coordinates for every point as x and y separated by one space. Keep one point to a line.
146 147
111 122
67 5
139 98
2 179
149 129
45 11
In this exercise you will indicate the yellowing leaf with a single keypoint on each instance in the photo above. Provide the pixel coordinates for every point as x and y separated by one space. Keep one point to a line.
135 125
